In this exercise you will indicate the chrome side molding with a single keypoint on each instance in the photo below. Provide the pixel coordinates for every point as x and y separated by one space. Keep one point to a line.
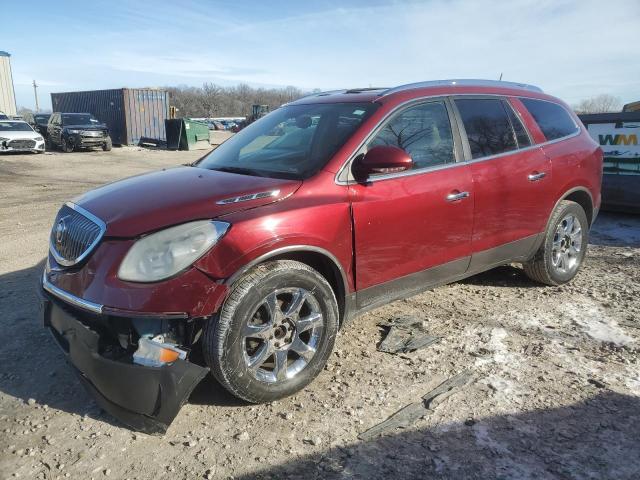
246 198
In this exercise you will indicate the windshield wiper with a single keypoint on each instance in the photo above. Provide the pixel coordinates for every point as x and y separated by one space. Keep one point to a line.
238 170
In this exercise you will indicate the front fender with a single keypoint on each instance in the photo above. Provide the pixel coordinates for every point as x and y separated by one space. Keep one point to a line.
262 233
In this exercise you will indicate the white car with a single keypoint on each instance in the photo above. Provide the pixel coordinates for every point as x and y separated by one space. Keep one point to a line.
18 136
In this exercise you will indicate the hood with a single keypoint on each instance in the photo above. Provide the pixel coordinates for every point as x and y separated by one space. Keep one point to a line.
19 135
156 200
93 126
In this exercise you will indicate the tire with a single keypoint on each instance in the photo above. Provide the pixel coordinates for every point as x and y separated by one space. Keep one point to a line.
562 252
253 303
106 146
64 146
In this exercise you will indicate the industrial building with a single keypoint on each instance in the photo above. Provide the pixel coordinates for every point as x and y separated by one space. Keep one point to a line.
7 92
131 114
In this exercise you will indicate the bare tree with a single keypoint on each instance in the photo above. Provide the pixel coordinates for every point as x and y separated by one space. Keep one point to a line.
599 104
216 101
22 111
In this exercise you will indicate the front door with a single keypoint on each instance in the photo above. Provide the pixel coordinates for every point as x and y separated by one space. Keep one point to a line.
413 229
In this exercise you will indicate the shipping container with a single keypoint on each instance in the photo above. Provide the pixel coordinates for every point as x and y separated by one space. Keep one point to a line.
130 113
7 93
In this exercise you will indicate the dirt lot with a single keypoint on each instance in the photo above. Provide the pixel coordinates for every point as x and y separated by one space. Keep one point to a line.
555 391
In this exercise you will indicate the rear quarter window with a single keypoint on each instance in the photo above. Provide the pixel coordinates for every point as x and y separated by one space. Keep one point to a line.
554 121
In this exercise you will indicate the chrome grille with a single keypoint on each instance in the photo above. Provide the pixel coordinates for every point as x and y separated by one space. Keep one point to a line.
22 143
74 235
92 133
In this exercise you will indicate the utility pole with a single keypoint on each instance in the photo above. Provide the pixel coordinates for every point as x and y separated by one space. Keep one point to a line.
35 92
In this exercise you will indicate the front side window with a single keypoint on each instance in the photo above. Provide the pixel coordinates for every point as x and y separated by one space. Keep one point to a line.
487 125
554 121
294 141
423 131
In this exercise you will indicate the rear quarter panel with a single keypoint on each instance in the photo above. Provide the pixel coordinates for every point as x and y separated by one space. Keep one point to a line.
576 161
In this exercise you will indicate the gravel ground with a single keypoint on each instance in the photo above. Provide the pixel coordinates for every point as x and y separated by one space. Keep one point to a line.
555 391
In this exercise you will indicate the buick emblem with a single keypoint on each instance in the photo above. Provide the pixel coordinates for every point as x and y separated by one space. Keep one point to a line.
61 230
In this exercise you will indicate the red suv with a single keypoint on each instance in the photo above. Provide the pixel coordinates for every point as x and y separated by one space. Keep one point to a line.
249 261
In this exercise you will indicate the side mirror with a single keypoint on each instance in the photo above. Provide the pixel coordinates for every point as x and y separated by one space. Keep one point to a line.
381 160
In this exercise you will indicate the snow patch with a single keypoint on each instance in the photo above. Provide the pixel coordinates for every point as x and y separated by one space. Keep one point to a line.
499 352
597 324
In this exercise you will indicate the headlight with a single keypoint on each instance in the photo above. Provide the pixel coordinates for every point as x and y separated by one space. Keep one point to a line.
165 253
38 139
74 131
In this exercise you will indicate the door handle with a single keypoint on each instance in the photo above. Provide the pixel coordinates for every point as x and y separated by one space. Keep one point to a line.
454 197
534 177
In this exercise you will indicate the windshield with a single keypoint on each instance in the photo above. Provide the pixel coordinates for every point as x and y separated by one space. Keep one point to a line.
15 127
41 119
78 119
294 141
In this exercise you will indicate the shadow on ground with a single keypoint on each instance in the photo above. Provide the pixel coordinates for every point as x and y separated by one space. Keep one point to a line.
593 439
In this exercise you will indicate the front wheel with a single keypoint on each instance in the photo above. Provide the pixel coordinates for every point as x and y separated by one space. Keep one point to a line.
274 333
65 146
565 244
106 146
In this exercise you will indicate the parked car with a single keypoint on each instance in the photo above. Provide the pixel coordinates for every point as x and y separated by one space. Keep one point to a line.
256 255
39 122
215 125
3 116
69 131
18 136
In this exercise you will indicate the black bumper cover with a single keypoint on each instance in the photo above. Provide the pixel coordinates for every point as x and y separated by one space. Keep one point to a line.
146 399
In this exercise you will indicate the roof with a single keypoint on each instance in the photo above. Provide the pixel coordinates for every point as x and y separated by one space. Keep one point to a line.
4 54
373 94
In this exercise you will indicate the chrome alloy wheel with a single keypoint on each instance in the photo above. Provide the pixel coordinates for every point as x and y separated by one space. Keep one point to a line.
282 335
567 244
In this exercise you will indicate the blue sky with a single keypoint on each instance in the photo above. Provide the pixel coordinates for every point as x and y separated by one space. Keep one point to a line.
572 49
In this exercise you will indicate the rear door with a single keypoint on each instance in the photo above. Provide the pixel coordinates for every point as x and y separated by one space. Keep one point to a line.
413 228
511 177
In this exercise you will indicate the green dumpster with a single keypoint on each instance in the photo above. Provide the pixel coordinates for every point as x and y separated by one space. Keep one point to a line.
187 134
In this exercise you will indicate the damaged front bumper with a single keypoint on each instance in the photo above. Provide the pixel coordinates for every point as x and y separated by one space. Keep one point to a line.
145 398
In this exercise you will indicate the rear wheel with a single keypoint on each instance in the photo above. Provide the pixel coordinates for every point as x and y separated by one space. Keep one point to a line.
565 245
274 333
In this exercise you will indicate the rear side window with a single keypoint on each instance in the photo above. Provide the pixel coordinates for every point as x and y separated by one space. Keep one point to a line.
521 134
423 131
487 125
554 121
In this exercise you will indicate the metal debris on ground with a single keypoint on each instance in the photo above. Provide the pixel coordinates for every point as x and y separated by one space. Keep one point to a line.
413 412
406 334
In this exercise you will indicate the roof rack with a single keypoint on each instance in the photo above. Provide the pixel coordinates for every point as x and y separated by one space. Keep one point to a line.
365 89
463 82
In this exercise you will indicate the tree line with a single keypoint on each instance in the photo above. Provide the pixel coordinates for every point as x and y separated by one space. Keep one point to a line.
213 100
